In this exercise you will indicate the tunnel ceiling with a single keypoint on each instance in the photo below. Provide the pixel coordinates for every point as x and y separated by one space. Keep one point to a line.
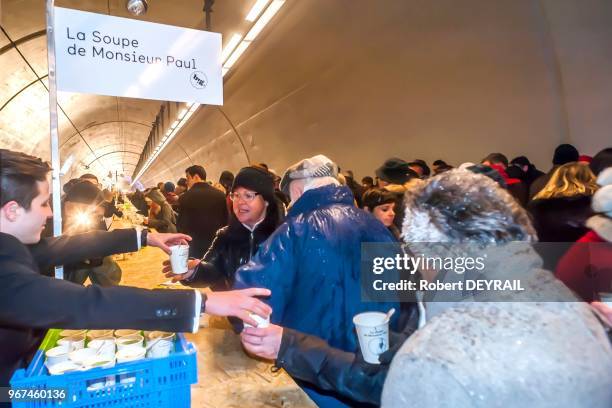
358 80
100 134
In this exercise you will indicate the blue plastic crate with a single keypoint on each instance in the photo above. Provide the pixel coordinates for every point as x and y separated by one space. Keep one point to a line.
152 382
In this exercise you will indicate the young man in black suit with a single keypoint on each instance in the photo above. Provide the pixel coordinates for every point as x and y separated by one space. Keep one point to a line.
202 210
31 302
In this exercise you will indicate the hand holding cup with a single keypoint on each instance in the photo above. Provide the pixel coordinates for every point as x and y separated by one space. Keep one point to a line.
239 303
191 265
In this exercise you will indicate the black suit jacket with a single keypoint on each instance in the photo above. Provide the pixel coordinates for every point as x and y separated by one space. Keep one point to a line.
30 302
202 211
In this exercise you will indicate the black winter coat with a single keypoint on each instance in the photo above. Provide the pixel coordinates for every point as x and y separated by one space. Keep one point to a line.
312 360
30 303
561 219
232 247
202 211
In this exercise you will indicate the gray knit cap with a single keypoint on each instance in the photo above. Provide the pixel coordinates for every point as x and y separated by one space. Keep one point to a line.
313 167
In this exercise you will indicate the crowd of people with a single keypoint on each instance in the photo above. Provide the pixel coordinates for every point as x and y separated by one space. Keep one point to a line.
310 261
295 241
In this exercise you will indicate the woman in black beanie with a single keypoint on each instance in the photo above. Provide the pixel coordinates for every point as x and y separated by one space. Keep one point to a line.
254 218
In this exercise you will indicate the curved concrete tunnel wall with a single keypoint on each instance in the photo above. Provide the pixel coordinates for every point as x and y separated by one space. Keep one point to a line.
363 81
355 79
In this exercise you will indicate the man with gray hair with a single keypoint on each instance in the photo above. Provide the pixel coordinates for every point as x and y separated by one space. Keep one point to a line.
513 351
312 261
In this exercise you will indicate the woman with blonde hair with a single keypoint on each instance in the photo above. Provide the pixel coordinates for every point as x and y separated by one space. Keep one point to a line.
560 210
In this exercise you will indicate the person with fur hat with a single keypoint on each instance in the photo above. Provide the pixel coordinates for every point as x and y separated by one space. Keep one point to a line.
161 215
587 267
312 262
254 217
394 175
496 353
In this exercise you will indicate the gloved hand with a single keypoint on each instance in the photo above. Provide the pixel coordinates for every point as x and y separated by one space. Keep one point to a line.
396 340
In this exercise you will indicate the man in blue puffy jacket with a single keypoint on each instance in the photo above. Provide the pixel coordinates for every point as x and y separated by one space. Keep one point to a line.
312 261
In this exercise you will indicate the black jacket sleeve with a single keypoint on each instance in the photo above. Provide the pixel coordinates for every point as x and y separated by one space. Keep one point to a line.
311 359
30 300
211 270
69 249
110 209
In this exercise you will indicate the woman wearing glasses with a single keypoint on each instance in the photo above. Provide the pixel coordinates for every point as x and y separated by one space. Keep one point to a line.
254 217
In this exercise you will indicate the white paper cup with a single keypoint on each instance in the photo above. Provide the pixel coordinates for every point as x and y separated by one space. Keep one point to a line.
160 348
94 334
373 334
56 355
70 333
79 356
606 297
99 361
156 334
125 332
63 367
103 345
131 341
73 343
131 354
178 258
261 322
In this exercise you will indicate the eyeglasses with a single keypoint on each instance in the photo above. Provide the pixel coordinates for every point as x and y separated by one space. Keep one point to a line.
246 197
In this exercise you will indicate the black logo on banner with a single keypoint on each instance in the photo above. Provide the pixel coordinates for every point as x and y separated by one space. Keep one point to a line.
198 80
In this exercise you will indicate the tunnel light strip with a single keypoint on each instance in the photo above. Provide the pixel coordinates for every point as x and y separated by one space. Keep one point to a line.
231 53
236 54
230 46
257 28
183 117
264 20
256 10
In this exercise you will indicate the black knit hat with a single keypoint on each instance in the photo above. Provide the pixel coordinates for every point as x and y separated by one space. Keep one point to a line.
256 179
565 153
377 196
396 171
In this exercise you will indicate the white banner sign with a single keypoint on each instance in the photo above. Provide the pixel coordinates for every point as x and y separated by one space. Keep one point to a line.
117 56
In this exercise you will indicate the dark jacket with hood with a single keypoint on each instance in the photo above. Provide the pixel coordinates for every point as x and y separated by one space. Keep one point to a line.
233 246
